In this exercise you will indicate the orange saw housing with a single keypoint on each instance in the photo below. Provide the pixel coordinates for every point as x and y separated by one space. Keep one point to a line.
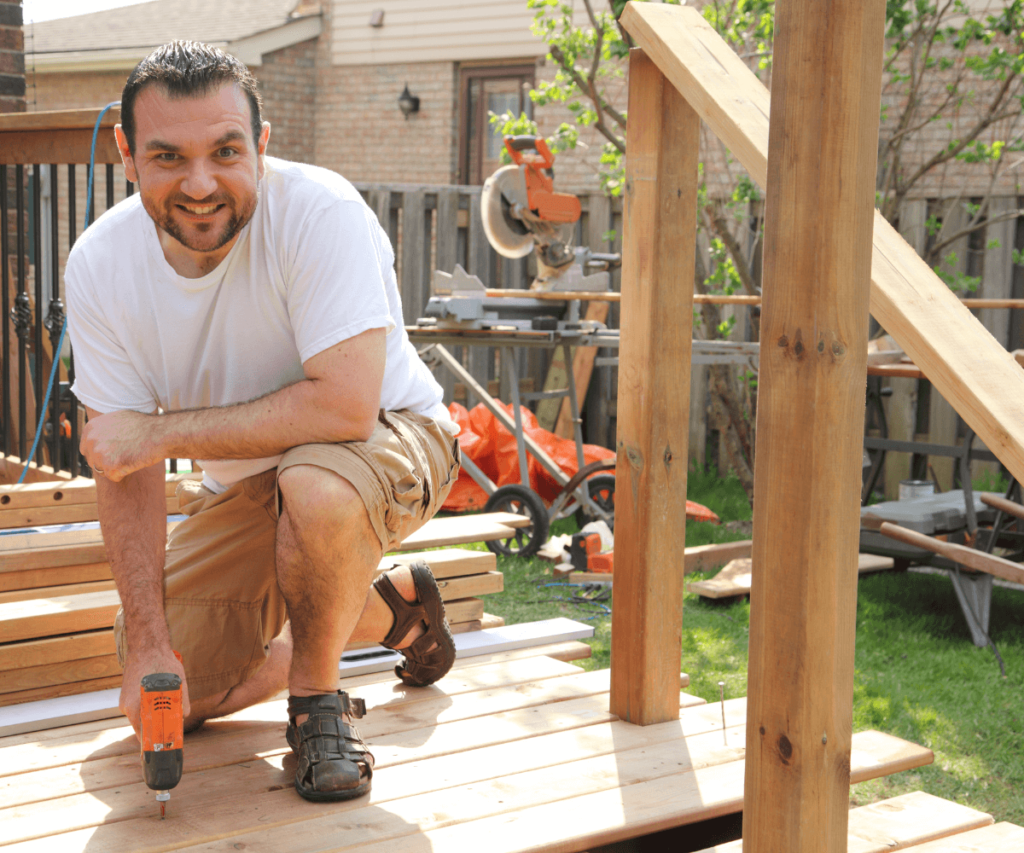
540 195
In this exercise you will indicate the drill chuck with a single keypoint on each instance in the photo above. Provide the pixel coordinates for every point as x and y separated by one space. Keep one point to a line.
162 730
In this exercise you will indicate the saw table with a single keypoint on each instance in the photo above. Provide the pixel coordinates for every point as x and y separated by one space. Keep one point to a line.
593 497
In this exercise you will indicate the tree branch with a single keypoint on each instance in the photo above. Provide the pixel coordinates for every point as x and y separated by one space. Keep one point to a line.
976 225
990 118
559 56
595 63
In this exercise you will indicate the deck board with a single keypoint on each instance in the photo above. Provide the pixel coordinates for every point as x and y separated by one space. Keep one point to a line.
393 729
998 838
521 736
900 823
564 651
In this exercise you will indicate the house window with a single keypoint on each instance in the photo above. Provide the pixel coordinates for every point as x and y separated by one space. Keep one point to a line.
498 90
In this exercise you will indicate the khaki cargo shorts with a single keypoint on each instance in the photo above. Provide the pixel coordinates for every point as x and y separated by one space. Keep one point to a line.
220 585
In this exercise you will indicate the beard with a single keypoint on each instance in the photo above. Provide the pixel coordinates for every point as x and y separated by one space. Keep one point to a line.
204 236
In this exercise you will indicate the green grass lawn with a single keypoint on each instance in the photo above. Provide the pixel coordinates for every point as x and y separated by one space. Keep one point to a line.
918 676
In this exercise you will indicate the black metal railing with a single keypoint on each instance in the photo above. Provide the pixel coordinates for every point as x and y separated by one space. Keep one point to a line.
38 226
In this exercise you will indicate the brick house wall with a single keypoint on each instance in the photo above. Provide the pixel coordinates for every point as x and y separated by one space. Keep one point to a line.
954 177
361 133
287 82
12 58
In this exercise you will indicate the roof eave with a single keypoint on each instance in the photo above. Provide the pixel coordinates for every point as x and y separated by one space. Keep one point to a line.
249 50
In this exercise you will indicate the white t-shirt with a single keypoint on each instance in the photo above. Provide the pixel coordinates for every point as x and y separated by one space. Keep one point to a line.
312 268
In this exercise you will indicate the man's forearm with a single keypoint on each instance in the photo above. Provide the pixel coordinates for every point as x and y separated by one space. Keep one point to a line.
133 517
303 413
337 401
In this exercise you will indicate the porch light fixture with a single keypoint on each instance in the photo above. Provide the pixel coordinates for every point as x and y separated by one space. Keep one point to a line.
408 103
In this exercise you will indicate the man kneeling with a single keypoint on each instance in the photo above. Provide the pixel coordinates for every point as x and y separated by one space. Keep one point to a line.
243 311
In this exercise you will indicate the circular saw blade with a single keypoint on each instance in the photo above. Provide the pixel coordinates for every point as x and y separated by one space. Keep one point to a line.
509 236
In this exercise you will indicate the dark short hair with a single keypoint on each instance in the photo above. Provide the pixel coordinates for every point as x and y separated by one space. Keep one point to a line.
187 69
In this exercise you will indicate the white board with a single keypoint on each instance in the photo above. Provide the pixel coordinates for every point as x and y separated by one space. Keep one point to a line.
485 642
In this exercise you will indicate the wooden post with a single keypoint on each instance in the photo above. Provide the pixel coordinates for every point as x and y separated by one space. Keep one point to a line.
659 230
823 137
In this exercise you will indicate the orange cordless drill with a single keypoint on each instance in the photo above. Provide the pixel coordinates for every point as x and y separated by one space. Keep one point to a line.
162 733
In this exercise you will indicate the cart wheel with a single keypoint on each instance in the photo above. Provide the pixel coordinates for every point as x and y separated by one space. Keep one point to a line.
601 488
523 501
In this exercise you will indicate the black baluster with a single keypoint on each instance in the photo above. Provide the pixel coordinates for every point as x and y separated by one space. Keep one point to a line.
21 314
129 189
90 204
110 185
21 324
37 259
72 399
72 203
54 325
5 287
55 321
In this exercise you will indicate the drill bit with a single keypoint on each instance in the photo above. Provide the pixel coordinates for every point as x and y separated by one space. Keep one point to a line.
163 797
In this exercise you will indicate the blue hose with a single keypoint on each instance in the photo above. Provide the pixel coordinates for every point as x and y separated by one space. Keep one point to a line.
64 328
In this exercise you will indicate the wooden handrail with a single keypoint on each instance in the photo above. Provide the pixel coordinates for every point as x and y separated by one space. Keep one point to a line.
60 136
58 119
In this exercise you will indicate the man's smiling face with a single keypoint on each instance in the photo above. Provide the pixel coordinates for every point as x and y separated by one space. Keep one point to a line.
198 171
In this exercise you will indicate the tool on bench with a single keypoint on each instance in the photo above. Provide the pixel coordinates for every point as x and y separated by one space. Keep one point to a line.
162 733
521 213
521 210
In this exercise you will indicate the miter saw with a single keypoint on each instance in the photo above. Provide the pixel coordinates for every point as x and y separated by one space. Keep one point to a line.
521 213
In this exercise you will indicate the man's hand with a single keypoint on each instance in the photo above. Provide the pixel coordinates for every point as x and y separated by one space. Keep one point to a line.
139 666
120 443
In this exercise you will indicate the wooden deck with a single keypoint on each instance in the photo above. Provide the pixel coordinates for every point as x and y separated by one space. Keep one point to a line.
496 751
920 823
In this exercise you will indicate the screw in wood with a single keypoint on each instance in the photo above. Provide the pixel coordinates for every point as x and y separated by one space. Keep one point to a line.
721 690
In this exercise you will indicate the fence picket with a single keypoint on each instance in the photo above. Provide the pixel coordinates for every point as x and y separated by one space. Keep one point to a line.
447 228
998 271
411 254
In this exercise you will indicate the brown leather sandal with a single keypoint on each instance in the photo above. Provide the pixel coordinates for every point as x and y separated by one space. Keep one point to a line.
334 763
429 657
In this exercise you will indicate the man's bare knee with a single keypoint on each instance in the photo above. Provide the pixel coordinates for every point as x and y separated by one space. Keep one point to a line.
310 493
318 507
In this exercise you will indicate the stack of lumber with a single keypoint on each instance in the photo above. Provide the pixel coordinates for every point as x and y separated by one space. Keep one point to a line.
58 601
515 751
67 502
